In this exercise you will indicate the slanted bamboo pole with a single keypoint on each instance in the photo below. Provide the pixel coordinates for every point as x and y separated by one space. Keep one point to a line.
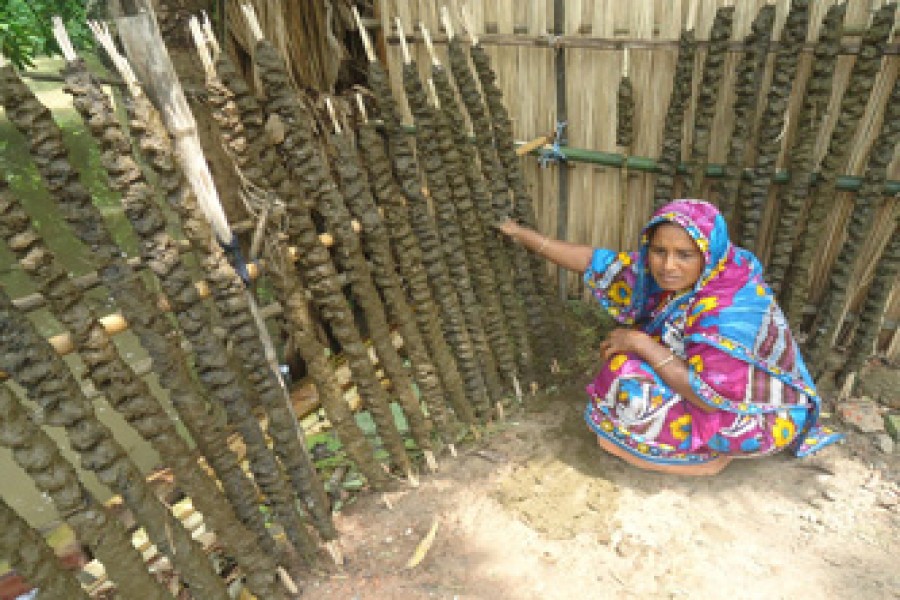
872 312
304 163
26 551
748 83
32 363
408 256
472 202
126 392
130 293
548 334
241 125
753 199
852 106
433 147
357 191
423 225
165 259
236 307
94 526
790 226
497 208
828 319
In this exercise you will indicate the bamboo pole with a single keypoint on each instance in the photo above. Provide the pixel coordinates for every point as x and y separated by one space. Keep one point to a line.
305 165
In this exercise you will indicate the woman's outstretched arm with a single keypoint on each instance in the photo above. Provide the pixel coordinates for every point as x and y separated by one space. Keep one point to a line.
575 257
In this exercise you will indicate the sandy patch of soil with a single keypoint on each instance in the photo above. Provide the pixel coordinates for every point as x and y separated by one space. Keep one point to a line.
536 510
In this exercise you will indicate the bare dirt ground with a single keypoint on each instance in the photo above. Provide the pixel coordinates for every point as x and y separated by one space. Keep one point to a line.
536 510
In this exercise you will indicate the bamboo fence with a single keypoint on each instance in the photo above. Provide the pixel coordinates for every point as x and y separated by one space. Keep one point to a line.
606 206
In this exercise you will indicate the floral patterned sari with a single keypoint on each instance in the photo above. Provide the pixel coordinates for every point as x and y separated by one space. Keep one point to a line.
742 359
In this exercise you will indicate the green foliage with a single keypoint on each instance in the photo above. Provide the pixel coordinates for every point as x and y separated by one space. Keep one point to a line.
26 29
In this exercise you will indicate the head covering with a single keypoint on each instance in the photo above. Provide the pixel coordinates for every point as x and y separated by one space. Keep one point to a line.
740 350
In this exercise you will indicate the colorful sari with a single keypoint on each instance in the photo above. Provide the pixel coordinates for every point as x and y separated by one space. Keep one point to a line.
743 361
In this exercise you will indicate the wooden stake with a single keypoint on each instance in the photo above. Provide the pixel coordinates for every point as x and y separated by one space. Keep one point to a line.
448 23
335 552
407 59
200 41
465 17
334 119
362 108
427 37
287 581
452 449
252 22
62 39
430 460
433 93
364 35
211 36
625 62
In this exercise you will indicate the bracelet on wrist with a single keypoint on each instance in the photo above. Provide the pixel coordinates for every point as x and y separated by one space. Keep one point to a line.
663 362
543 245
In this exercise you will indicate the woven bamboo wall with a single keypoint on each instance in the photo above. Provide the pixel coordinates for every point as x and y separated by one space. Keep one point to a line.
607 205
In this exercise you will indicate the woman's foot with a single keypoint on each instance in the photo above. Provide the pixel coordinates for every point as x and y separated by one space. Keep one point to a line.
712 467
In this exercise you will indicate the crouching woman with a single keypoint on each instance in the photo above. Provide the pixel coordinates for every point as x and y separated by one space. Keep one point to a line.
704 368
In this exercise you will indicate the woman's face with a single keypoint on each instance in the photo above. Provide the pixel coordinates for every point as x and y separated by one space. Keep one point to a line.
676 262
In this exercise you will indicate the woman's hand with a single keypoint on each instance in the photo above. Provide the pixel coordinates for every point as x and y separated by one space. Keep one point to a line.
623 341
508 228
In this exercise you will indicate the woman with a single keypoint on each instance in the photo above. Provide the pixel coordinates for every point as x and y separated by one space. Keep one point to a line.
705 368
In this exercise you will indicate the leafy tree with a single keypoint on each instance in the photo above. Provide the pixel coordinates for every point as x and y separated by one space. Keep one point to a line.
26 29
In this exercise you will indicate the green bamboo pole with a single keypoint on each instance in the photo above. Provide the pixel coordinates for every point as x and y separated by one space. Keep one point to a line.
748 82
790 226
752 200
852 107
709 90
